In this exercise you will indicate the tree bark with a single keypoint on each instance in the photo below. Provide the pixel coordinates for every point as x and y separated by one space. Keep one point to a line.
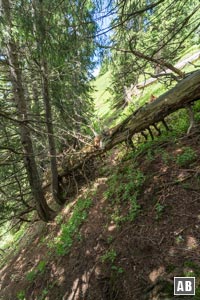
41 36
43 210
50 133
185 92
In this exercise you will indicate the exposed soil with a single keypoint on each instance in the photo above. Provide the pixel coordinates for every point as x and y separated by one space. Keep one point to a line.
162 242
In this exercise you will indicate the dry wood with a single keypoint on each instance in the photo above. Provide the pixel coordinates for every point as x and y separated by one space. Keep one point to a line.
185 92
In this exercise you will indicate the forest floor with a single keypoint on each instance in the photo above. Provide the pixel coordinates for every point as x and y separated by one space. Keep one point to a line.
113 257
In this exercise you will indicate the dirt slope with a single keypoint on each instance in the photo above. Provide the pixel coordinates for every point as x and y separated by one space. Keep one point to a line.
123 259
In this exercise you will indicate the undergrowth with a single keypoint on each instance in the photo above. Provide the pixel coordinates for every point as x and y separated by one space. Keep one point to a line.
193 270
186 157
40 269
124 187
63 243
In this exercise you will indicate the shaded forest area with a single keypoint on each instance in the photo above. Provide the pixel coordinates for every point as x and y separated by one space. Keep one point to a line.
58 141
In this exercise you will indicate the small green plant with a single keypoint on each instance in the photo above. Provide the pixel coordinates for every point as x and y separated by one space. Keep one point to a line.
59 219
159 210
185 158
116 217
21 295
150 155
110 239
41 266
109 256
189 273
125 186
118 270
64 242
30 276
197 293
166 157
193 266
134 208
40 269
170 268
182 124
179 239
193 270
43 294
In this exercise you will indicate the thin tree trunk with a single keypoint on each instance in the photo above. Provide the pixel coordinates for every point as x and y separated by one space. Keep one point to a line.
41 36
44 211
50 132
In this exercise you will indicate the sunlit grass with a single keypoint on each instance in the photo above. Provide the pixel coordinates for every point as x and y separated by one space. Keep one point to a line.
103 97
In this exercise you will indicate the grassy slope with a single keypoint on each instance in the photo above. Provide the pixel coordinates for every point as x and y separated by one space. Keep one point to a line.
103 98
143 203
139 220
101 95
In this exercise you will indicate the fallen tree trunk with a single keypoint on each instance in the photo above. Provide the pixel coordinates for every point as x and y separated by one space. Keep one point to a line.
185 92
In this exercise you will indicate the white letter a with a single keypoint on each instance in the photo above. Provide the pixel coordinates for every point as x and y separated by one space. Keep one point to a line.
180 286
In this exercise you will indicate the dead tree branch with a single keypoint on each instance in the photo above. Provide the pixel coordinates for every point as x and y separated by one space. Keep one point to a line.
185 92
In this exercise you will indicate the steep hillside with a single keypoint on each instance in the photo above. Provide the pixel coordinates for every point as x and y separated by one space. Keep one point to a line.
126 232
124 237
99 176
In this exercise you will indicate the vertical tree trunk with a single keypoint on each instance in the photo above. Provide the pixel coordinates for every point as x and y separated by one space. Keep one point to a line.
44 211
41 36
50 132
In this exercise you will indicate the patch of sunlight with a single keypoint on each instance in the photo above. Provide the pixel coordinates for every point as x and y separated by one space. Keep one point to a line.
164 169
74 293
61 279
102 179
87 252
156 273
66 210
80 287
58 272
98 182
191 243
7 240
156 178
112 227
180 150
181 176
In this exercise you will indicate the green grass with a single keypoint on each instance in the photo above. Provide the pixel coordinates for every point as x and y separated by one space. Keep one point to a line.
63 243
193 270
109 256
124 187
39 270
21 295
159 210
10 237
103 98
188 156
10 241
101 95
